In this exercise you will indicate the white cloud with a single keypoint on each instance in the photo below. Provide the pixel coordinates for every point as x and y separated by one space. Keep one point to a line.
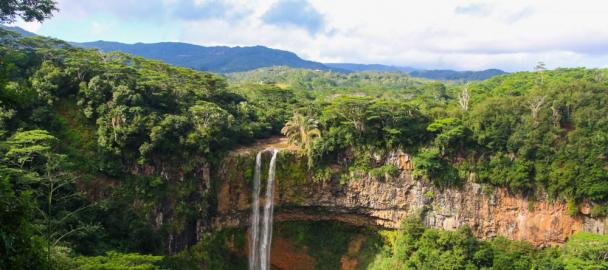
461 34
99 28
33 27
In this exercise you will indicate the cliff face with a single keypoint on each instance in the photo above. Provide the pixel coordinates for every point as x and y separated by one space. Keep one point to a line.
178 231
385 201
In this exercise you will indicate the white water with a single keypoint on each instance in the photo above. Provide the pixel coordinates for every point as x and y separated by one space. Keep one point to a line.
255 214
259 257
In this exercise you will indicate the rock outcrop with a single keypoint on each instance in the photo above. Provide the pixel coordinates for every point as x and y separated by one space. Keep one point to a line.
385 201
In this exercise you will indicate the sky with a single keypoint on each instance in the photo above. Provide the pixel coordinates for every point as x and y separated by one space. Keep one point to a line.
511 35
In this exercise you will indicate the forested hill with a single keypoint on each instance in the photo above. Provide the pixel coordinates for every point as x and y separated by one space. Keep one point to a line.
19 30
217 59
369 67
448 75
433 74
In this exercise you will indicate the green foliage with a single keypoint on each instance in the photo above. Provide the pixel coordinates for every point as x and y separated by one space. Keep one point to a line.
290 169
303 132
29 148
27 10
20 247
117 261
430 165
586 251
457 75
416 247
327 83
599 210
31 157
364 122
385 171
106 112
210 253
532 136
451 134
272 105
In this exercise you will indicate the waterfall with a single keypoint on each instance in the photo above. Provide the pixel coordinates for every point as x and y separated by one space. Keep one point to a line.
259 253
267 222
255 214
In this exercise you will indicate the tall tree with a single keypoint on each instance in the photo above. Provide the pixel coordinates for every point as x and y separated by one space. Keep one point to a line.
32 151
28 10
541 68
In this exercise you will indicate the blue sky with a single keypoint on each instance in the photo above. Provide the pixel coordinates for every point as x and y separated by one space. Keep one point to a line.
457 34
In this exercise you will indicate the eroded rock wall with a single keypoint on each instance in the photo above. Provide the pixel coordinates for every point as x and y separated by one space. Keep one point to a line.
385 201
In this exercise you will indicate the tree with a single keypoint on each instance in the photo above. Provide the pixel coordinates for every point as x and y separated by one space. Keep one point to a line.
556 116
463 98
32 151
19 245
541 68
302 131
349 110
56 194
396 124
451 134
28 10
209 118
535 105
29 148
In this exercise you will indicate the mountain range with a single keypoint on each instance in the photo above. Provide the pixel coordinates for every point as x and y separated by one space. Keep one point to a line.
224 59
217 59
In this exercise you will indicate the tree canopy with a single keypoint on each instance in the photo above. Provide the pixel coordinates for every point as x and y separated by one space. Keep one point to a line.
27 10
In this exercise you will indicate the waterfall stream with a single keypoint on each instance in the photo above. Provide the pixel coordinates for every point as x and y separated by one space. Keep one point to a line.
255 214
260 241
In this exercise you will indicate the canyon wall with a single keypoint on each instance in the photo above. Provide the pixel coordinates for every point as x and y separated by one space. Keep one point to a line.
385 201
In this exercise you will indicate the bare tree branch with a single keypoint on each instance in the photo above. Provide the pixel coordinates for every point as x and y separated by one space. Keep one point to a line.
463 98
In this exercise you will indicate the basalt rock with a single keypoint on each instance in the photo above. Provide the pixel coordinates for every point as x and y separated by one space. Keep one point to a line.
385 201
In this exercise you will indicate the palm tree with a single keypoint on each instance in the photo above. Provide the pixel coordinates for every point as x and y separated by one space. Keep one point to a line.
303 132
